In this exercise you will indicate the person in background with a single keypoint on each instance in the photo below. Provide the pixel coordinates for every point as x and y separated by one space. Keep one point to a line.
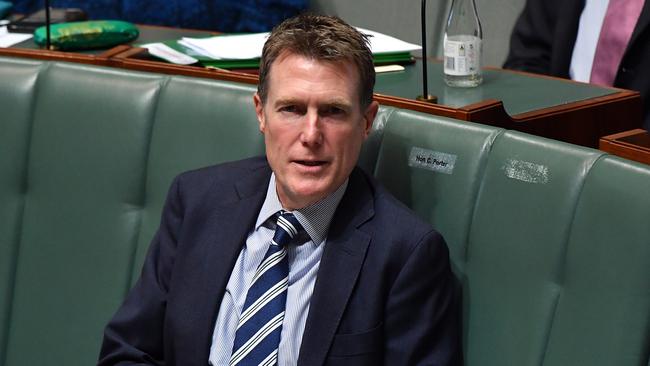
297 257
597 41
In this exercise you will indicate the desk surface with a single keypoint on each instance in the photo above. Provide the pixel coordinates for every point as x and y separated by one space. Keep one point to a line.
519 92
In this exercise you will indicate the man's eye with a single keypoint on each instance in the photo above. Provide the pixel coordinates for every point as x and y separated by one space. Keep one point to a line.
333 111
289 109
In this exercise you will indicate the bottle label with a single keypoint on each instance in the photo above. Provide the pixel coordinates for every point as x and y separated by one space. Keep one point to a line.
462 55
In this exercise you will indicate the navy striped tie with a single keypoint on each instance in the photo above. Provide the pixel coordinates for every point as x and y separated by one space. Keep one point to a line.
260 324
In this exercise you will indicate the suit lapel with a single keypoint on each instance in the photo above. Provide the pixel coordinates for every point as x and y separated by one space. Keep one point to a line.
568 21
229 226
342 260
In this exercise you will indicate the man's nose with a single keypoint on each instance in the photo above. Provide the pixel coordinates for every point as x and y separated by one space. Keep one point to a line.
311 134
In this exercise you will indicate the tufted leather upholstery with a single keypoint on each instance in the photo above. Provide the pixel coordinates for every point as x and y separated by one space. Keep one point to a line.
551 241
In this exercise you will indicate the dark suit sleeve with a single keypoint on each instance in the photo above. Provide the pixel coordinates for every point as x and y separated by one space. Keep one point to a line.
422 324
135 334
531 42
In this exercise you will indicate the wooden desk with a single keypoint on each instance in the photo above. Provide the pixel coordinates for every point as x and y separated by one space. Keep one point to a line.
131 57
633 145
551 107
556 108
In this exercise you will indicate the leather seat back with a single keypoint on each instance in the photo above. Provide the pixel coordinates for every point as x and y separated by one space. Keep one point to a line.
87 159
549 240
518 241
17 89
435 165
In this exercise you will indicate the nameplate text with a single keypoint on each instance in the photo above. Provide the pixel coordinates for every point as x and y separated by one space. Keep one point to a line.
432 160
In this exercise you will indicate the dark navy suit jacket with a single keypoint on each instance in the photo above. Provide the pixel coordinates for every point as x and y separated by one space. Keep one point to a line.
384 293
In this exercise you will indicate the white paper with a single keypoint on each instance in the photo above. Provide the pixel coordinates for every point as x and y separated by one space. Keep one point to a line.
249 46
8 39
382 43
237 47
388 68
169 54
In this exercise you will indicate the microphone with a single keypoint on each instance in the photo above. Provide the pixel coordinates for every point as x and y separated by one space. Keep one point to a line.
47 24
425 97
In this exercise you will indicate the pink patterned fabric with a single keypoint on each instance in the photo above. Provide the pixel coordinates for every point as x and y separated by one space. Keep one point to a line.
619 22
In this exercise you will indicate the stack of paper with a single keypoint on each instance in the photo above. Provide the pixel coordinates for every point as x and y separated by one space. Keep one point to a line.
381 43
248 46
169 54
228 47
8 39
244 50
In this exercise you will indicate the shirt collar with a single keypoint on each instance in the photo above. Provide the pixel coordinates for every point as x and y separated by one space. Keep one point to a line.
315 218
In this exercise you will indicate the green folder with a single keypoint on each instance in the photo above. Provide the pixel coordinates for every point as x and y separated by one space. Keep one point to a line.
393 58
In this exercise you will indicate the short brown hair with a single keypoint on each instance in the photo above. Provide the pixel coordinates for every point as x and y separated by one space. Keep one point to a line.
320 37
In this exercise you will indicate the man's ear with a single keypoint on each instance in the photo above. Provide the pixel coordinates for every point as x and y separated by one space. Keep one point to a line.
259 111
369 116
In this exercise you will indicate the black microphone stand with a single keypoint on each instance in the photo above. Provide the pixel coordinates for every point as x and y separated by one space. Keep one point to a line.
47 24
425 97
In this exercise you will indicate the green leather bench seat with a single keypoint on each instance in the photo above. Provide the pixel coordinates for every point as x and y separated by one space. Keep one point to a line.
551 241
533 186
445 198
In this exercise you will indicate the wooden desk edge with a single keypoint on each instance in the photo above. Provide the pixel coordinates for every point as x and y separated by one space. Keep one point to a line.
49 55
619 95
623 134
611 144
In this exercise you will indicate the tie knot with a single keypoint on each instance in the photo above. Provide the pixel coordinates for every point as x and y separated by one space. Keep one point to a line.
287 228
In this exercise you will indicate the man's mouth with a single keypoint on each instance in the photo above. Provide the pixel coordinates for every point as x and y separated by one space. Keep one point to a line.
310 162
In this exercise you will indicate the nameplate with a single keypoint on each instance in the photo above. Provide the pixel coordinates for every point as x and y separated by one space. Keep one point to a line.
526 171
432 160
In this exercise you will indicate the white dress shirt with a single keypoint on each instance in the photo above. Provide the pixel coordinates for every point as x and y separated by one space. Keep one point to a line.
591 21
304 261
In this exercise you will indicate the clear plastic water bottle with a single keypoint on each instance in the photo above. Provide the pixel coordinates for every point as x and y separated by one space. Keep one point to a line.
462 45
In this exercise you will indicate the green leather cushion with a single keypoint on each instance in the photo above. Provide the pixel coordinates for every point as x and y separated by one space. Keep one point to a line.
17 81
517 247
197 123
100 160
444 195
603 313
370 147
84 195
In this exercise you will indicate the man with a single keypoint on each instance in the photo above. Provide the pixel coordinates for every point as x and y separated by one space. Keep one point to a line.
559 38
367 284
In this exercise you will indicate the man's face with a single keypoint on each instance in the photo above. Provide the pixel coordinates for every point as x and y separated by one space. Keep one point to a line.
313 126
